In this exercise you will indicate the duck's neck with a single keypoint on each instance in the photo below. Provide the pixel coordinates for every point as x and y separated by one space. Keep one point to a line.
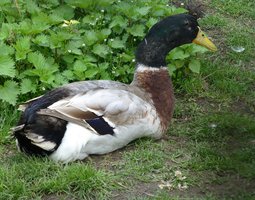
157 83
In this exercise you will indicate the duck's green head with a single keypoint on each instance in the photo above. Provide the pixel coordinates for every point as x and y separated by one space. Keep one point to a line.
167 34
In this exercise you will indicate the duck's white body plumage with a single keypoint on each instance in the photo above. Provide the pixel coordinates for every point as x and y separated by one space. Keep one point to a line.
130 117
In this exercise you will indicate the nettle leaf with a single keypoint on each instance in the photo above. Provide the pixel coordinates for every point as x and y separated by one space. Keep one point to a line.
91 73
194 66
193 49
117 43
137 30
79 66
44 68
68 74
5 49
101 50
178 53
42 40
64 11
81 3
31 7
7 66
171 68
118 21
27 86
37 59
73 47
151 22
5 31
9 92
22 47
103 34
26 27
90 38
143 10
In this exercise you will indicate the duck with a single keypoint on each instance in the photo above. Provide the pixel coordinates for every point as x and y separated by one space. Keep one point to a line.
84 118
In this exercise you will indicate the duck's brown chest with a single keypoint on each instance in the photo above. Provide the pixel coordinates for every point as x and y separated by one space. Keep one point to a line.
158 84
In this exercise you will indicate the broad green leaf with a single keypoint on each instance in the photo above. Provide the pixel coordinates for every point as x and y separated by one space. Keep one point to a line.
27 86
44 68
5 49
64 11
90 38
103 34
9 92
137 30
171 68
91 73
37 59
73 47
88 4
79 66
194 66
6 66
31 7
68 74
178 53
143 10
118 21
117 43
5 31
42 40
151 22
101 50
22 47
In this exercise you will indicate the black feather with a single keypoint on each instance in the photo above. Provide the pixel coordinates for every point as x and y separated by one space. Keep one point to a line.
100 126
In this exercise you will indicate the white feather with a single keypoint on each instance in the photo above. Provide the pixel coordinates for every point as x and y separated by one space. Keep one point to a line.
72 144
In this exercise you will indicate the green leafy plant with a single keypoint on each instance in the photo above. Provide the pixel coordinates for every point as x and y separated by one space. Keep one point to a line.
45 44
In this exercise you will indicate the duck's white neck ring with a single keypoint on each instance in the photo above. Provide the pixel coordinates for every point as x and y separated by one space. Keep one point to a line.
141 68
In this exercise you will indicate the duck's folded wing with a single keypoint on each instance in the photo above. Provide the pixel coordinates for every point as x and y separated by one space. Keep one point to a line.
100 110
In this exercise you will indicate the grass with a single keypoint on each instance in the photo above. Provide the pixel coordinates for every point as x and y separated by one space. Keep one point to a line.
211 140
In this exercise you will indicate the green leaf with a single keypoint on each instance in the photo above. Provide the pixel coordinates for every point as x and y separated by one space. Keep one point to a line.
194 66
101 50
64 11
79 66
7 66
151 22
178 53
9 92
117 43
68 74
42 40
137 30
171 68
103 34
44 68
91 73
37 59
22 47
5 31
27 86
31 7
90 38
143 10
5 49
118 21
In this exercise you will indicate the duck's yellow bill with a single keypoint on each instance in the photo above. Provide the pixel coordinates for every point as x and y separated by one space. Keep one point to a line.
203 40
